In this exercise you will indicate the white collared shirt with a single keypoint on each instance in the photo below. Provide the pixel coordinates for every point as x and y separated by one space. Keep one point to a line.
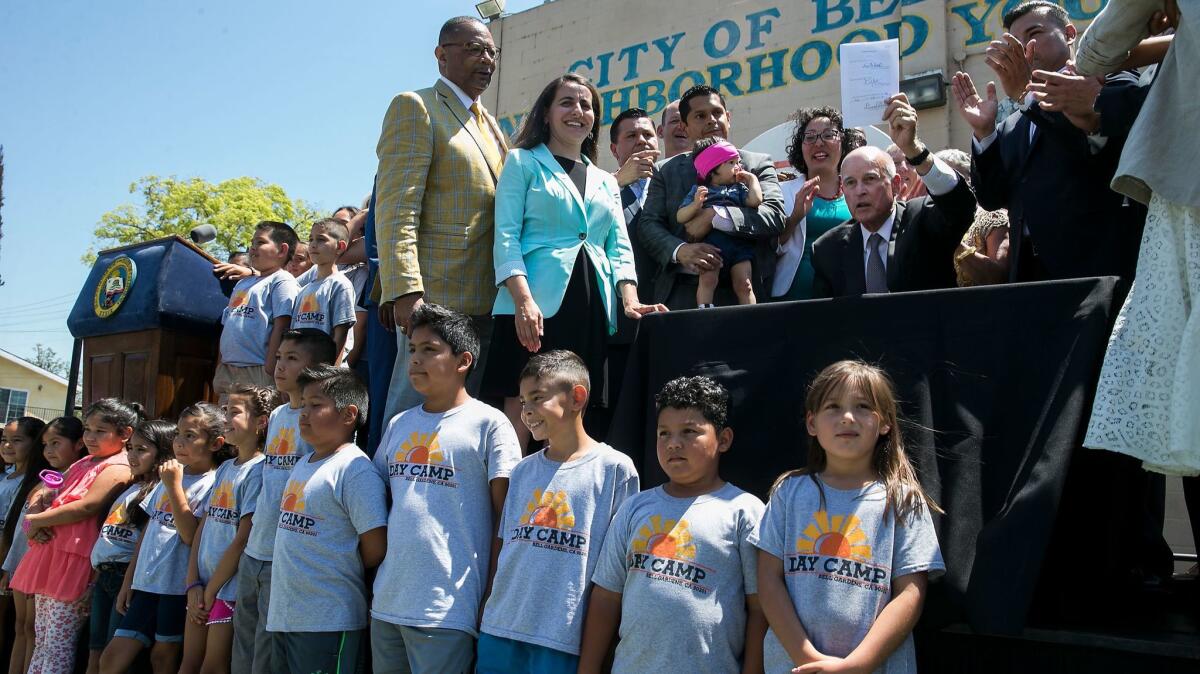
467 101
886 232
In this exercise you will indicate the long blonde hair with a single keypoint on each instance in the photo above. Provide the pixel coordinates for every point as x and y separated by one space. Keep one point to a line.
905 496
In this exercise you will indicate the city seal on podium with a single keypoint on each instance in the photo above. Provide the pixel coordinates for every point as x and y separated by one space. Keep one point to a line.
114 286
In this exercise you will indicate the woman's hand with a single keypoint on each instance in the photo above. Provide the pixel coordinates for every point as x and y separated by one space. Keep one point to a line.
636 310
804 198
4 583
529 325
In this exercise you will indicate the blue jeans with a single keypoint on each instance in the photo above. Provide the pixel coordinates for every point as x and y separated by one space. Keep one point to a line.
105 618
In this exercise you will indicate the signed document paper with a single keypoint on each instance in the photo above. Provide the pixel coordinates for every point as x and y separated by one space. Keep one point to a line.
870 74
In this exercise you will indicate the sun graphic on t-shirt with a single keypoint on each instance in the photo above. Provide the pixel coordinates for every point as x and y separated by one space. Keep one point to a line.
665 538
117 515
238 299
309 304
163 504
837 536
293 497
420 448
222 496
548 509
283 443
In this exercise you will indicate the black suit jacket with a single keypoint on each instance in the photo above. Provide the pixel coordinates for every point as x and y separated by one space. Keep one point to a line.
925 232
644 265
1057 189
660 233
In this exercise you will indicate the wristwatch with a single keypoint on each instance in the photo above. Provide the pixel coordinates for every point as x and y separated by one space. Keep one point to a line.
919 159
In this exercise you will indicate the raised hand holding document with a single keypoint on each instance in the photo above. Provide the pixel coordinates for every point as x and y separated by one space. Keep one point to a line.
870 75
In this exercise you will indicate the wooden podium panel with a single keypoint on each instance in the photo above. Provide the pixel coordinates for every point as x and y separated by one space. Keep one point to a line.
163 369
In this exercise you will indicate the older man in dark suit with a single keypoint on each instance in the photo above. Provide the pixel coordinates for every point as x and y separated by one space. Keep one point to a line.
891 245
670 244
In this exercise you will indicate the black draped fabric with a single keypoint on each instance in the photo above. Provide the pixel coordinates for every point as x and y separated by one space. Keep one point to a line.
995 384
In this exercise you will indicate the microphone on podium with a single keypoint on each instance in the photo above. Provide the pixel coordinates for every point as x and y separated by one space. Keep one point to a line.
202 234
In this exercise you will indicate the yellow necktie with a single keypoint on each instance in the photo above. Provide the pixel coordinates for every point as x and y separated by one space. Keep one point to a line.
487 142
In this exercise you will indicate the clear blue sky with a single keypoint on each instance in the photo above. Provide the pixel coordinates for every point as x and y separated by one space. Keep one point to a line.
94 95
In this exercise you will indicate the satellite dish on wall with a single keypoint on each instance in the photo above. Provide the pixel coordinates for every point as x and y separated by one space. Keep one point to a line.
774 141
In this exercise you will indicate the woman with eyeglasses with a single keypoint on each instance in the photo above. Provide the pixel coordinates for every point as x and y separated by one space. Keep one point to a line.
813 200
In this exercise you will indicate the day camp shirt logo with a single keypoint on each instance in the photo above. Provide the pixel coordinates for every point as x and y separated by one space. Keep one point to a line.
292 515
548 523
239 304
420 459
116 525
281 452
836 549
664 551
162 511
222 507
310 310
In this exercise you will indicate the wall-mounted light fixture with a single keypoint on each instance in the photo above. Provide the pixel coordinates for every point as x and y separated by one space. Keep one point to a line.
491 9
925 90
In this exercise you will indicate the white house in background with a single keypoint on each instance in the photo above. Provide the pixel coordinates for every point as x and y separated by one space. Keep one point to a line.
28 390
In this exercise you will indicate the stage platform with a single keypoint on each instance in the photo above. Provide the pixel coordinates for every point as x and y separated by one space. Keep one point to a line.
1158 634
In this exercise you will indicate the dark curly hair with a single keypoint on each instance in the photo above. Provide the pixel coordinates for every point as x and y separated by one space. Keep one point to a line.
851 138
702 394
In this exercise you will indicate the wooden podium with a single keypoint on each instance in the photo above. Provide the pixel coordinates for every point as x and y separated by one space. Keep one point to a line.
149 317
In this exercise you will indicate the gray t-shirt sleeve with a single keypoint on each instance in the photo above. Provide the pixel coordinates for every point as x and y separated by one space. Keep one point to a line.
248 491
916 547
747 524
504 449
610 566
628 484
283 296
364 497
768 536
341 303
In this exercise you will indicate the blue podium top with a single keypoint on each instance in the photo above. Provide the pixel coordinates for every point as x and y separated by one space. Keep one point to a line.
165 283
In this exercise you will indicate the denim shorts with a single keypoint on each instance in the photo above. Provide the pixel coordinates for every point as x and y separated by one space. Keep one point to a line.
154 617
105 618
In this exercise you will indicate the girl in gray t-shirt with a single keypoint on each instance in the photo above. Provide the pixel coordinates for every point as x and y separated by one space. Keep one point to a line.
849 537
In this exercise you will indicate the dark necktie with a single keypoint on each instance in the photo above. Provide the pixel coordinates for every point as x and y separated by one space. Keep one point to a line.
876 274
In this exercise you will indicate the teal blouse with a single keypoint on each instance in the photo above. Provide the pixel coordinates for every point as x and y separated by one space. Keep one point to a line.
824 215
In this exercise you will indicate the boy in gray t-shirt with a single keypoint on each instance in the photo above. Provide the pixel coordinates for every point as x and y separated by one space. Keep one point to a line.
259 311
560 503
284 448
447 464
327 302
330 531
676 566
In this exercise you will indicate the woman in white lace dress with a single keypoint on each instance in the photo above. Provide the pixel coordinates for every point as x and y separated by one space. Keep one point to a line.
1148 401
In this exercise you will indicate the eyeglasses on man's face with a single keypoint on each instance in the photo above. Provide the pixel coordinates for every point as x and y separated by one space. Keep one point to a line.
477 49
828 135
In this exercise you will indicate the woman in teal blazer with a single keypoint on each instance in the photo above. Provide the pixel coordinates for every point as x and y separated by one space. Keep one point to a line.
561 252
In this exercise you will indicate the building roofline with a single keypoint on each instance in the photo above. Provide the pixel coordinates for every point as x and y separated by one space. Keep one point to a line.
17 360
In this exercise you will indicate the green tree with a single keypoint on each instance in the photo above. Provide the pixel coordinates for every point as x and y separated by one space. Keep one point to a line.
175 206
47 359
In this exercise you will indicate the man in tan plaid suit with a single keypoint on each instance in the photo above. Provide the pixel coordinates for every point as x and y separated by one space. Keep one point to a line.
440 154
